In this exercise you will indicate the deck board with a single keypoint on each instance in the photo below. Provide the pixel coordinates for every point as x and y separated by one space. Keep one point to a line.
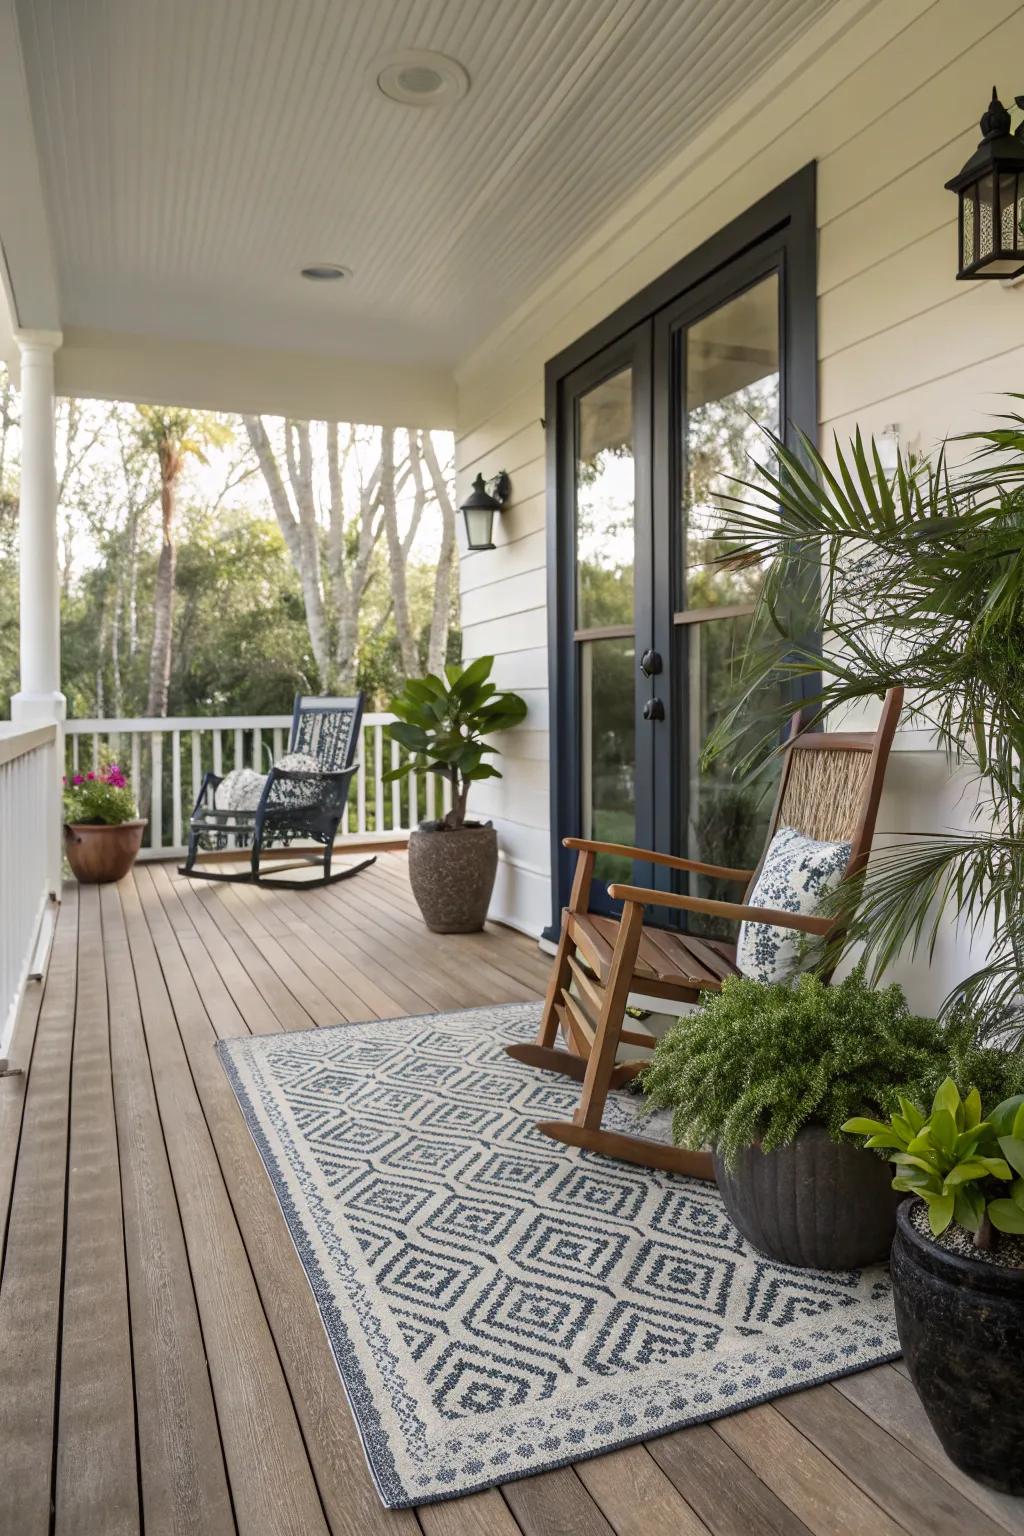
163 1365
97 1485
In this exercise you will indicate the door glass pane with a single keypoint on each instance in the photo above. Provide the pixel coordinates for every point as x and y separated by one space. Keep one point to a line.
731 368
608 754
727 818
605 492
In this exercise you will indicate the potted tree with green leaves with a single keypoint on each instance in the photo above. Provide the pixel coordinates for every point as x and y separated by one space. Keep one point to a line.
445 724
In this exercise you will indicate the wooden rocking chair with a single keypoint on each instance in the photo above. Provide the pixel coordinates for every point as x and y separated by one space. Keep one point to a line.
829 789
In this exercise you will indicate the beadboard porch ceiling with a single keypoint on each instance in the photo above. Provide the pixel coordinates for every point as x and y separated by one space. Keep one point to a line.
191 158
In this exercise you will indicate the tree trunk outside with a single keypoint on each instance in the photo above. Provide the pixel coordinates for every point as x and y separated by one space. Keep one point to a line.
163 596
441 617
396 555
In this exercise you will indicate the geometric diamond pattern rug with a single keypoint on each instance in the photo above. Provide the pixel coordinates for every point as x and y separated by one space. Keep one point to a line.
499 1304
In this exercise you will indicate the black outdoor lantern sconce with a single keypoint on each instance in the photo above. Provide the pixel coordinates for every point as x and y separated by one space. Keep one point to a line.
990 189
480 506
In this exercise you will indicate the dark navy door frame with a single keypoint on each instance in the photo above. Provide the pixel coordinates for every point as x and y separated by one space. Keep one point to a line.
778 233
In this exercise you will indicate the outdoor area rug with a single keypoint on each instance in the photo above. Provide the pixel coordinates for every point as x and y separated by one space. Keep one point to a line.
499 1304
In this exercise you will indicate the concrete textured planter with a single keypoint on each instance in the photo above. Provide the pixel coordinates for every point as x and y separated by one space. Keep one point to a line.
452 876
98 855
961 1325
815 1203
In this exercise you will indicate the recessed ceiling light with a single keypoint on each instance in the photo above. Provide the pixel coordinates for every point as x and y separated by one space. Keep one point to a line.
325 272
418 78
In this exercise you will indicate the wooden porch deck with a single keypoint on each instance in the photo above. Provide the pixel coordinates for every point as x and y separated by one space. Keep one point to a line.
162 1364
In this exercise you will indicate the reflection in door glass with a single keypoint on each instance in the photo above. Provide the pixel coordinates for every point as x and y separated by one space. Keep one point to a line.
608 753
732 393
605 492
731 362
728 815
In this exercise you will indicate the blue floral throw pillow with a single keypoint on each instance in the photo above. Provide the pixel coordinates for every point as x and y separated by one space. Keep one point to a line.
797 875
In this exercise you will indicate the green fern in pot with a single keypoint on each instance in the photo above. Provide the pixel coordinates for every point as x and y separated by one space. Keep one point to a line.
767 1075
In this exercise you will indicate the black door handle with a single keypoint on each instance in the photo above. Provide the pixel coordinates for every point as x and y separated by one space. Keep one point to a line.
650 663
654 709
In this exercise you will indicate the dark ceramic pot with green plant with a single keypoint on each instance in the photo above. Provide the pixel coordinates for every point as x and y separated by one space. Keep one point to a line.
102 826
767 1074
958 1271
445 724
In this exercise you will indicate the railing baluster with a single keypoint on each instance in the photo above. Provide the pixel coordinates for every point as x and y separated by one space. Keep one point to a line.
197 765
414 797
257 749
239 761
378 782
95 752
176 789
396 791
136 762
156 792
278 743
361 783
218 754
431 792
74 753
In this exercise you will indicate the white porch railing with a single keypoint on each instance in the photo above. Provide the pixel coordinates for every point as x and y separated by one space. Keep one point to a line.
172 755
28 776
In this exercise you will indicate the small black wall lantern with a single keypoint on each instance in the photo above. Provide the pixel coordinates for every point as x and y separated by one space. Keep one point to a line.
990 189
480 506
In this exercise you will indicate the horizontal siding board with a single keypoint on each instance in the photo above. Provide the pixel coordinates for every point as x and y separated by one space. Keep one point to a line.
913 282
526 592
895 217
958 334
511 558
930 77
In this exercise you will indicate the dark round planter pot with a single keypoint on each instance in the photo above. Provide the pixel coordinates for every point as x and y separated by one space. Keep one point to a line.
961 1325
816 1204
452 875
99 855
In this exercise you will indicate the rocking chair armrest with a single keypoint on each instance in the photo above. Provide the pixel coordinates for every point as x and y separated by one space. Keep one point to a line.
804 922
670 860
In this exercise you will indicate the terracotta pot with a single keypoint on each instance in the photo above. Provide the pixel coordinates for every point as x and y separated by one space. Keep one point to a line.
815 1203
961 1326
100 854
452 875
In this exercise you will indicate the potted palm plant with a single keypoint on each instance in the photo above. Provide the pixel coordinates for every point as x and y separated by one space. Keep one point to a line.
102 826
445 724
918 577
958 1271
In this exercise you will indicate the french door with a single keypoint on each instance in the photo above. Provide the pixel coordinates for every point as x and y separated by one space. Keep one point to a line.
651 430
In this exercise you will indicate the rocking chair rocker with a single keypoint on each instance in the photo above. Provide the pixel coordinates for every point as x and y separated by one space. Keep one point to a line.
293 804
829 789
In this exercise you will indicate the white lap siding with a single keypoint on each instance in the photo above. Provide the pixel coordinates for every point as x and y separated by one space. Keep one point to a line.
886 99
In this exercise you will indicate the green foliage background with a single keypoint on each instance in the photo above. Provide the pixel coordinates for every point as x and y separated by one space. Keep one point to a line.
240 642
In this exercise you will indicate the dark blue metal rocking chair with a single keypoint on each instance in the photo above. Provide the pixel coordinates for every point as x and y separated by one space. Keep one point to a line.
292 805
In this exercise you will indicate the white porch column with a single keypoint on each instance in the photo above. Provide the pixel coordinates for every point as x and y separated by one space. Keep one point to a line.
39 700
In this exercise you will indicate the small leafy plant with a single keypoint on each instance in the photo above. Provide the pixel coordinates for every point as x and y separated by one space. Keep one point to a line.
444 723
958 1161
757 1061
102 798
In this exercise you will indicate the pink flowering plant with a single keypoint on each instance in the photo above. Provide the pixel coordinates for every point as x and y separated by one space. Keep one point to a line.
99 798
